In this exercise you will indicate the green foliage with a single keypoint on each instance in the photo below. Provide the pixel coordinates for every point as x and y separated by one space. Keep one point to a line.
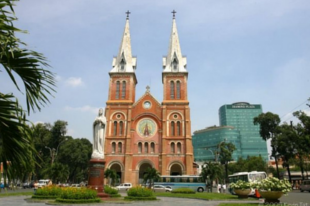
140 198
252 163
109 190
241 185
78 193
150 176
49 191
274 184
139 192
183 190
111 175
211 171
77 201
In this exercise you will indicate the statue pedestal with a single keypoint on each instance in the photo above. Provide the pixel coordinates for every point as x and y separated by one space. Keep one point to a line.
96 177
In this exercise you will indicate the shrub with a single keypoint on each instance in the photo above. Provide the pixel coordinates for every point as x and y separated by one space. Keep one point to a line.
110 190
78 193
274 184
183 190
240 185
48 192
77 201
139 192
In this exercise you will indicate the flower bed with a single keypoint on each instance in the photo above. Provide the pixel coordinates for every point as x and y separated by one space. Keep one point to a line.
67 195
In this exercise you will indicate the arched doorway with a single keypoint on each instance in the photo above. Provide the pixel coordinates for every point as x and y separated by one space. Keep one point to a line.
176 169
142 171
117 168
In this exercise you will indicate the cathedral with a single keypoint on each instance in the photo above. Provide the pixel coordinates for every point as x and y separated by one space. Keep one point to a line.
147 133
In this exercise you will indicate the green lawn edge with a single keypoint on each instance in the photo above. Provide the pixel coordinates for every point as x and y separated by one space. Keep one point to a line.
204 196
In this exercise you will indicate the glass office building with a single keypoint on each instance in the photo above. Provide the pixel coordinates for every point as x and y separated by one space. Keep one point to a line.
240 115
206 142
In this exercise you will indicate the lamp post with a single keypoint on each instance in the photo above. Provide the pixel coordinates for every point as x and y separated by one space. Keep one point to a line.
54 152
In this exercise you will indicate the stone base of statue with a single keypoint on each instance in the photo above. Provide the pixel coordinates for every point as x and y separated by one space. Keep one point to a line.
96 177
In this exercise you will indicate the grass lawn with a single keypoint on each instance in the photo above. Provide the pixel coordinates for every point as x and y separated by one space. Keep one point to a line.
202 195
6 194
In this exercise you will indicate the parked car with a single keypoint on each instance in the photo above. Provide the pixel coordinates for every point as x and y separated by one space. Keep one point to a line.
42 183
161 188
76 185
305 186
26 185
124 186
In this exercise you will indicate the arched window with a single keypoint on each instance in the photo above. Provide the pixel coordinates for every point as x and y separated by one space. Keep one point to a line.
123 90
117 90
178 90
113 147
172 148
178 128
115 128
172 90
152 147
146 147
179 148
119 147
139 147
172 129
121 128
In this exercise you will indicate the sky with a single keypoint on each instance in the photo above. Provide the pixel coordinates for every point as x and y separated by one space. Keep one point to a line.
255 51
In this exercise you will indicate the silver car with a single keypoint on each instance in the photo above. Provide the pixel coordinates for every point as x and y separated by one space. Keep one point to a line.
161 188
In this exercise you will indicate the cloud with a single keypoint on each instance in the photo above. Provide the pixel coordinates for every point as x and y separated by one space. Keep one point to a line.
74 81
86 108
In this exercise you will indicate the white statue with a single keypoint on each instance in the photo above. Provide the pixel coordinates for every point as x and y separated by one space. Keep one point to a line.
99 136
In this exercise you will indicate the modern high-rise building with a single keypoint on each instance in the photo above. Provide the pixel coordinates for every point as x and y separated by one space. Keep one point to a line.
240 115
145 133
206 143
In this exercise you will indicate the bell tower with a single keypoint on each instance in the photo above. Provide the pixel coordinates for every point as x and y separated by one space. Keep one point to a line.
176 112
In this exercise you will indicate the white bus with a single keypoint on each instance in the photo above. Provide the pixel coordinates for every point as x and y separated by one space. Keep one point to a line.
188 181
253 176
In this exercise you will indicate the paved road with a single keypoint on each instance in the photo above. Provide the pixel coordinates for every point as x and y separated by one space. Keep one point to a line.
164 201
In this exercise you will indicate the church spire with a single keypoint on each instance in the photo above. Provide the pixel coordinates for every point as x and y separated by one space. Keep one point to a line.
174 61
124 61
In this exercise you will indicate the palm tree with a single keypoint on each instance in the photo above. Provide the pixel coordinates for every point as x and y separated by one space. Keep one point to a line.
16 145
210 172
150 175
111 175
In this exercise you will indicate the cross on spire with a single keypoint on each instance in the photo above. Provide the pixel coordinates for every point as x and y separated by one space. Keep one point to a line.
127 14
173 12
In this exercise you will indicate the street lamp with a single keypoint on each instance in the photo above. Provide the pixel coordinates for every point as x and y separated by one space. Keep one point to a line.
54 152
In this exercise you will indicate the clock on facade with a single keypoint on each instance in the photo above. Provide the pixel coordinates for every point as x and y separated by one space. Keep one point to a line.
147 104
146 127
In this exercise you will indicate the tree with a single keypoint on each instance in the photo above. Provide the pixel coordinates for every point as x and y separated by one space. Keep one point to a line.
252 163
303 130
226 151
76 154
111 175
150 175
268 123
17 149
211 172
